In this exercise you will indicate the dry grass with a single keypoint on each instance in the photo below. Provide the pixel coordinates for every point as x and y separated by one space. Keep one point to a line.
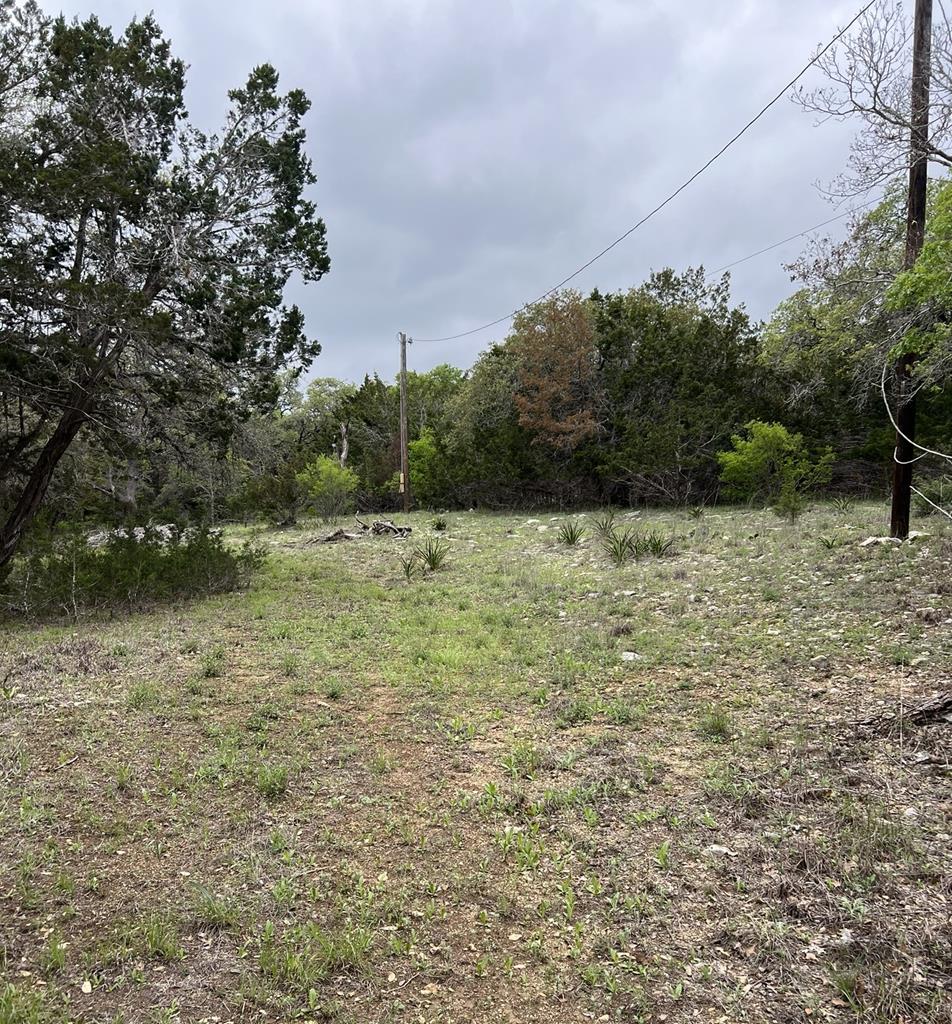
527 786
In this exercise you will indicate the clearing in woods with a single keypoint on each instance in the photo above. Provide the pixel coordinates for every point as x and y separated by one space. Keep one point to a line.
531 786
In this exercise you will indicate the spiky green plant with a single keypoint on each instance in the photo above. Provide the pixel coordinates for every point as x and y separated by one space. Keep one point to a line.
432 553
605 522
571 533
620 544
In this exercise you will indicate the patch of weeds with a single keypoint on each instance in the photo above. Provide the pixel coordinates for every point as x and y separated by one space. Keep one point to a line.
212 663
459 729
261 718
334 690
662 855
142 695
284 892
716 724
625 711
290 665
53 957
154 936
18 1006
307 954
160 938
272 781
124 777
213 911
573 712
523 761
848 984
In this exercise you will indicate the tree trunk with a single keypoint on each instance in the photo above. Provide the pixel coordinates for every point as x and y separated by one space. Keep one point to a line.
35 489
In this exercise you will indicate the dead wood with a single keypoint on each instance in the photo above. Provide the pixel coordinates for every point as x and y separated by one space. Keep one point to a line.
935 708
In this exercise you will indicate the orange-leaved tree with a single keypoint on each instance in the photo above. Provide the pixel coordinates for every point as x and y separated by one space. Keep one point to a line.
554 341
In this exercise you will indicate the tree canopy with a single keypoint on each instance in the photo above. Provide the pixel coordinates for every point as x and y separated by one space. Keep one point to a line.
142 261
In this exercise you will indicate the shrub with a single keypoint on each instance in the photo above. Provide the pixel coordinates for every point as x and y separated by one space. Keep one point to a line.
931 493
64 574
439 524
329 485
774 466
429 469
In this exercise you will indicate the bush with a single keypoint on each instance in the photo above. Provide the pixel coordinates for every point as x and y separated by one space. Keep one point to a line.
772 465
67 574
330 486
933 492
429 470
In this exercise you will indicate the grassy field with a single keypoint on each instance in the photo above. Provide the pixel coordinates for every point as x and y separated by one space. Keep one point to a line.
530 786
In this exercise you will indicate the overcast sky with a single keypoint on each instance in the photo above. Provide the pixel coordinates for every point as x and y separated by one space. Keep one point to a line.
471 154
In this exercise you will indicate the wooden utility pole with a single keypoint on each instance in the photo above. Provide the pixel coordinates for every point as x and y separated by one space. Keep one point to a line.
404 449
915 234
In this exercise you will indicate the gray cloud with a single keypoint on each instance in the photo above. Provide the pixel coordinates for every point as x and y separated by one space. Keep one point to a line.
470 155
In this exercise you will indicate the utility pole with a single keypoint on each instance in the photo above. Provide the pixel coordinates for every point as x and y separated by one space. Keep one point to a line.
404 449
915 234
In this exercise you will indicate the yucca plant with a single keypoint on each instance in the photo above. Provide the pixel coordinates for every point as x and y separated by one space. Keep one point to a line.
432 553
605 522
410 566
655 544
620 545
439 524
571 533
697 512
843 504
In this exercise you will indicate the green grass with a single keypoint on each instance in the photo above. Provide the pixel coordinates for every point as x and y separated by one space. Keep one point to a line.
534 779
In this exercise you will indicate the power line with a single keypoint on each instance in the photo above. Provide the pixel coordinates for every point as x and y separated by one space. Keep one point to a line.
621 238
791 238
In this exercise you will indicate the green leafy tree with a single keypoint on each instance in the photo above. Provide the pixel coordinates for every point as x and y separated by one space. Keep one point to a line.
678 372
922 297
142 262
329 486
492 455
774 466
430 471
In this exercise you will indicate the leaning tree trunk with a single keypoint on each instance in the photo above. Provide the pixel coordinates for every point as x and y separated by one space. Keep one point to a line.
35 489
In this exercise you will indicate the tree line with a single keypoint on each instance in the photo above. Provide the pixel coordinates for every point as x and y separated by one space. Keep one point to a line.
151 370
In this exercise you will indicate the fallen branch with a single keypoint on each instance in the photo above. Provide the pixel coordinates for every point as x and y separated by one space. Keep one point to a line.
936 707
380 527
339 535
